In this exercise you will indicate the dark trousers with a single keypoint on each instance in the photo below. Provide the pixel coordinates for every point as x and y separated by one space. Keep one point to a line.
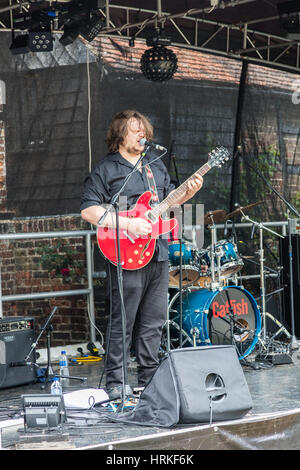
145 293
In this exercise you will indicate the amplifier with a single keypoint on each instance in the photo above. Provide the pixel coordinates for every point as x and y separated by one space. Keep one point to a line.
16 339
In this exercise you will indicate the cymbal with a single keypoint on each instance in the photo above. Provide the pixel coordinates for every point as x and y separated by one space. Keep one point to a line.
244 208
216 216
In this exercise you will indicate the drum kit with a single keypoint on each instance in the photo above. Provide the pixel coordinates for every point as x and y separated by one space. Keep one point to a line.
206 305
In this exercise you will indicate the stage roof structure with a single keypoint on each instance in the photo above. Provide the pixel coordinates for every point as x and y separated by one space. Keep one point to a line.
260 31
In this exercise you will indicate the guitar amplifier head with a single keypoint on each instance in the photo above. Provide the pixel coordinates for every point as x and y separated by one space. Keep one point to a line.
16 340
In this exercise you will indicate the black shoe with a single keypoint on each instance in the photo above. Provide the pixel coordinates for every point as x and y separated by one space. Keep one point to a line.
116 391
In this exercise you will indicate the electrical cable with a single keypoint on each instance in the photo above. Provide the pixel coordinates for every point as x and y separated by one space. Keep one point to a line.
90 163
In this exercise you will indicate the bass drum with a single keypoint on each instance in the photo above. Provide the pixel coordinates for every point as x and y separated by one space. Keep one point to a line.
226 316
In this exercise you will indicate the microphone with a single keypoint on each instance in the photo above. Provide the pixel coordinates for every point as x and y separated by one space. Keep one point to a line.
145 142
252 231
20 364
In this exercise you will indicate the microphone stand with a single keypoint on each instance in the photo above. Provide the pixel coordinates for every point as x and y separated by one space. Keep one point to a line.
126 390
49 371
294 343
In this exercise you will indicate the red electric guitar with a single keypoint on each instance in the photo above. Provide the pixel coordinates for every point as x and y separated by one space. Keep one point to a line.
136 252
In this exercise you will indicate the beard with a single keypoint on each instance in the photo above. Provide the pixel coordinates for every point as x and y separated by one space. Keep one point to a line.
134 149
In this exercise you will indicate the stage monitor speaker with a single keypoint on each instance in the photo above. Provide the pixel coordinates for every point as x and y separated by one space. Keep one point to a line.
285 263
16 340
194 386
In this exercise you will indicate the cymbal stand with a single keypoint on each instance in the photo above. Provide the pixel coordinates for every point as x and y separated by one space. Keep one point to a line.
261 228
212 228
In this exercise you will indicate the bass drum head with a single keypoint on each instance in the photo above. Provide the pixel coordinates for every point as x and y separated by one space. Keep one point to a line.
226 316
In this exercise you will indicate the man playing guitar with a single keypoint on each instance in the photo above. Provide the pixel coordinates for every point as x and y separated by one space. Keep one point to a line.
145 285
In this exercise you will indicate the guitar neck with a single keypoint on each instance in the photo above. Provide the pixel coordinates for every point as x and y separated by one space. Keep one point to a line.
173 198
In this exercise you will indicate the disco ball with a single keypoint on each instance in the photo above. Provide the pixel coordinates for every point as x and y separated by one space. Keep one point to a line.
158 64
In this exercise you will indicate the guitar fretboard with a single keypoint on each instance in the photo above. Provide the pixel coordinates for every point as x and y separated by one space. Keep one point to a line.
177 194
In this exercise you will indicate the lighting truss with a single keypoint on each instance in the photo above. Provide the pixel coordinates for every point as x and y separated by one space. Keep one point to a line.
240 41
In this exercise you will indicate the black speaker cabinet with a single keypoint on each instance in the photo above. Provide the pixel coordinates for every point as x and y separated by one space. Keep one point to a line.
194 385
285 263
16 340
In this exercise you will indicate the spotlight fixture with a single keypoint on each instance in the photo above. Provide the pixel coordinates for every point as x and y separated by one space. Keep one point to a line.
159 63
289 13
35 41
70 34
19 44
43 411
40 41
72 17
90 29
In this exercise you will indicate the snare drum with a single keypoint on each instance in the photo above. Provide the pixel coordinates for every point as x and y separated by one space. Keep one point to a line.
226 252
190 265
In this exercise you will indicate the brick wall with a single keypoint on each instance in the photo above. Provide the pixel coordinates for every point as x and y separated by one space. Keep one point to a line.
22 272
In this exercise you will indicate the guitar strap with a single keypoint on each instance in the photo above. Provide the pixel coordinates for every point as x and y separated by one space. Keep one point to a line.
152 186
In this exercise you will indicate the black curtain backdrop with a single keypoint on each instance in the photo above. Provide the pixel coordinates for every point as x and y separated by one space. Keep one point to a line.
48 100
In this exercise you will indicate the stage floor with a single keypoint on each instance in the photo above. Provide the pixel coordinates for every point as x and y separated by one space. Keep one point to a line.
275 392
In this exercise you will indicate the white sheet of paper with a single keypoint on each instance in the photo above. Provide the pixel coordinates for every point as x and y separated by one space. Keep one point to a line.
84 398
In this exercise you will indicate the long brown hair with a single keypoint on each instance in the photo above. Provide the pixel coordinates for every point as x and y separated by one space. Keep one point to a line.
118 128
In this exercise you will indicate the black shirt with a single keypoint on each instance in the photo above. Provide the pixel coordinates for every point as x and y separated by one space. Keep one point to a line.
107 179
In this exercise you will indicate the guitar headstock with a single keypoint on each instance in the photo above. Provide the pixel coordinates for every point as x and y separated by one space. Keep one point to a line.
218 156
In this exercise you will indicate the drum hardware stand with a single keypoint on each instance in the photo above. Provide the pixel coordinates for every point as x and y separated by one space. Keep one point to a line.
233 324
264 340
214 284
180 290
291 208
168 322
195 334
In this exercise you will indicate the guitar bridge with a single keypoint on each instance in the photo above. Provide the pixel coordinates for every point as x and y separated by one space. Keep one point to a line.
151 217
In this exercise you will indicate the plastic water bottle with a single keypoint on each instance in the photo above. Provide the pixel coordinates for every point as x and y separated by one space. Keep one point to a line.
64 369
56 388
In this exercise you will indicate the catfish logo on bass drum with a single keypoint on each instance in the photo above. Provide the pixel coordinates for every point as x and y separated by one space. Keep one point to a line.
225 308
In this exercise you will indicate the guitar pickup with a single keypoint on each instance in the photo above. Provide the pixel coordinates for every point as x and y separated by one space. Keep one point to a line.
128 236
151 217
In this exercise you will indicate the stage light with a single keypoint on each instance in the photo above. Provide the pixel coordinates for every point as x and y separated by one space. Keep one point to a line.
91 28
72 17
43 411
34 41
19 45
40 41
70 34
158 64
289 13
